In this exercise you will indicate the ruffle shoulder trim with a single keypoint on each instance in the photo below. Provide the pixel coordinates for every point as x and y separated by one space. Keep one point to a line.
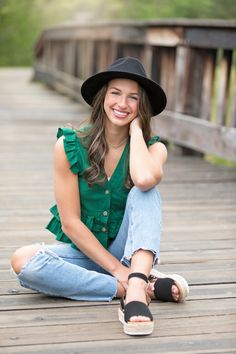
72 148
153 140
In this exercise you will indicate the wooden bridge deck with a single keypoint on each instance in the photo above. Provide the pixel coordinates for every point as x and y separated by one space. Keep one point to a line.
199 206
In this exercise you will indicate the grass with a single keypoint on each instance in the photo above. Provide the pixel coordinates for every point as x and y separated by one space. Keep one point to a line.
220 161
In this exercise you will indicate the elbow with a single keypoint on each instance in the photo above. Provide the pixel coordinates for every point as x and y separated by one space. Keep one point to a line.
66 228
70 222
70 225
159 176
143 184
149 181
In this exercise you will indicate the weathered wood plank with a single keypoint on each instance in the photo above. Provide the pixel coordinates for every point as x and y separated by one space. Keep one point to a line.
88 314
198 134
196 257
232 107
207 84
194 344
112 330
223 87
210 38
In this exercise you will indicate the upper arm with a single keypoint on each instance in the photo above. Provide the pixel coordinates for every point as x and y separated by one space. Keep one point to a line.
159 153
66 185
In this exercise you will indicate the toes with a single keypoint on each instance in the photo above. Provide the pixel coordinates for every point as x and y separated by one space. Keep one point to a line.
139 319
175 292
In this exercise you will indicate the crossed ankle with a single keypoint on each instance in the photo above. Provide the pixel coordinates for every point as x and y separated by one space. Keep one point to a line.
137 282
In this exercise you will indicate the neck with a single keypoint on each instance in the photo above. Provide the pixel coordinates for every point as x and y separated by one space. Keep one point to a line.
116 136
117 146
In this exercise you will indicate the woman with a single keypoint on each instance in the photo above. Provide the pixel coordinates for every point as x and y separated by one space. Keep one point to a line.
107 216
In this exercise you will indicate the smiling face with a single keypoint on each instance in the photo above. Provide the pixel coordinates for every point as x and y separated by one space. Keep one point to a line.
121 101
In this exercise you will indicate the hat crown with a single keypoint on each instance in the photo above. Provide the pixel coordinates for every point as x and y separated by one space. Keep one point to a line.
128 65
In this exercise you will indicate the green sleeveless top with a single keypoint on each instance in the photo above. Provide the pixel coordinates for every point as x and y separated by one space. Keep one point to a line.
102 206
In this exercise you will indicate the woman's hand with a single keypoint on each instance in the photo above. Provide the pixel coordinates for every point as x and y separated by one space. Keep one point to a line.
121 273
135 125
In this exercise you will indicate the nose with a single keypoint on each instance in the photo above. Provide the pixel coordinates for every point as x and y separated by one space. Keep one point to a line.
122 103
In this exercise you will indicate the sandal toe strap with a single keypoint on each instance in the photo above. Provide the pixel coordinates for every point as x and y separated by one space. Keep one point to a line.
136 308
162 289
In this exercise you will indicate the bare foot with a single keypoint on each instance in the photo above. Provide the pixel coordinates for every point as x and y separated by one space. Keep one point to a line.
174 290
137 291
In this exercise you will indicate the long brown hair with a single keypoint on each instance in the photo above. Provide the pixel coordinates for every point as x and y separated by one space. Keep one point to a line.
94 137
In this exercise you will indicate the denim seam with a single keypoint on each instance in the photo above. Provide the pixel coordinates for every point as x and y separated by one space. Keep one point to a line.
115 291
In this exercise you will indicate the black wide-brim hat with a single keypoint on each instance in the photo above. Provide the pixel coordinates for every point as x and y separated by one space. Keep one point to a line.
127 68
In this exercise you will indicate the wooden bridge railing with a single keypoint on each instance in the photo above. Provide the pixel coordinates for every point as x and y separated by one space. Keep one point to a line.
193 60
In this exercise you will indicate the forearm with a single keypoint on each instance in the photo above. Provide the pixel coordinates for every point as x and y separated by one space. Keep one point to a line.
144 171
84 239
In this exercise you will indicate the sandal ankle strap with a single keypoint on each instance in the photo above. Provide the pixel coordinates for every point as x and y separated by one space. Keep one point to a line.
138 275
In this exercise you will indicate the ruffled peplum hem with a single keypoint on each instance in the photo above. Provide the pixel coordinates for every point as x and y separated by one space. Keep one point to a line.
54 226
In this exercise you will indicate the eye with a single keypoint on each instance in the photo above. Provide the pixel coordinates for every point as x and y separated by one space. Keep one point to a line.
134 98
114 92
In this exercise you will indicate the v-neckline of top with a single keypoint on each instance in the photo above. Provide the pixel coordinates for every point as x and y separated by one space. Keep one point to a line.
110 178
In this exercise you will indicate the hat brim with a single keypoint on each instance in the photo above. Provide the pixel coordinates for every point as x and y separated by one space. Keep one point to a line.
155 93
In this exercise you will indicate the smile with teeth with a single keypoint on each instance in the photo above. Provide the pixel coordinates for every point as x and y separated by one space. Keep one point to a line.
120 114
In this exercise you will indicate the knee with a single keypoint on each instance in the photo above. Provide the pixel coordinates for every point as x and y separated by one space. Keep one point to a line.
149 195
22 255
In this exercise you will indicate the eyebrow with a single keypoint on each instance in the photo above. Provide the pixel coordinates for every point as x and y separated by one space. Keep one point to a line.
116 88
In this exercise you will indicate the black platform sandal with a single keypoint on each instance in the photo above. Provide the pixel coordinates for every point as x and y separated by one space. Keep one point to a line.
136 308
163 286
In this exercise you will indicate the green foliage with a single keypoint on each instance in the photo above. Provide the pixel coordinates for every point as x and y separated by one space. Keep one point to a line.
12 24
216 160
151 9
21 21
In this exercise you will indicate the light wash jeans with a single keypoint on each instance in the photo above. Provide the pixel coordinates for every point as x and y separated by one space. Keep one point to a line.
60 270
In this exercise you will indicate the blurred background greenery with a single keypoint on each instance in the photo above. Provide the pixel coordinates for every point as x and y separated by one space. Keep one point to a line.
21 21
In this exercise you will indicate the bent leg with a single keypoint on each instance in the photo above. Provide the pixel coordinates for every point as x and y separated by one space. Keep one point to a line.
41 269
141 231
141 226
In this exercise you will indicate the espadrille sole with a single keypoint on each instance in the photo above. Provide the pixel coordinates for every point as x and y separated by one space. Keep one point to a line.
135 328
